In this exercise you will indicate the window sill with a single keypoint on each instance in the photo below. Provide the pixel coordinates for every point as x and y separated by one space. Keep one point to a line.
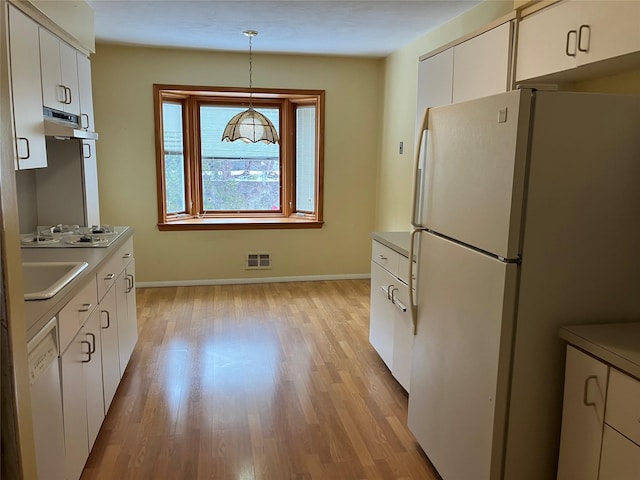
238 224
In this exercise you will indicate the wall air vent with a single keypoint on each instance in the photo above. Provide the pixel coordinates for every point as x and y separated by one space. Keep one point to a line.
257 261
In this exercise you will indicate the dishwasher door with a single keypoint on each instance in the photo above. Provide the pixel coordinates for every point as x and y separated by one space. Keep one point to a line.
46 403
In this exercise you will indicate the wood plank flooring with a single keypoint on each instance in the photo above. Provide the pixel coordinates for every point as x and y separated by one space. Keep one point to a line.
264 381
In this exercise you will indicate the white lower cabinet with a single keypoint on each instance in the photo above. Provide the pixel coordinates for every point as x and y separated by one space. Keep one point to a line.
595 445
93 378
585 390
98 331
110 352
390 325
74 405
127 320
620 457
382 311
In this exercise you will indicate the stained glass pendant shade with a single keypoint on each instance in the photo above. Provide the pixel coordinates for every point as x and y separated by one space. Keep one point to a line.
250 126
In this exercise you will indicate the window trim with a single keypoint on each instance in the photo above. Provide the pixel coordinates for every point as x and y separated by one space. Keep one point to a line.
192 97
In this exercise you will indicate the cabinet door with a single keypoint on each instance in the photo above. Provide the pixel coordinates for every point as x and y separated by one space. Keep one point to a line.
26 90
620 457
69 76
59 67
127 319
585 389
90 177
74 405
547 41
93 378
86 93
608 29
382 313
402 336
53 90
435 81
110 353
481 64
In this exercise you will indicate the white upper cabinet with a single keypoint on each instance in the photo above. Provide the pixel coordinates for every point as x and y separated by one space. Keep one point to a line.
481 64
475 68
575 33
85 92
435 81
24 53
59 67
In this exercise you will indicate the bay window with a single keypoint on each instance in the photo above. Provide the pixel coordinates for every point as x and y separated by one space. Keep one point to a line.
207 183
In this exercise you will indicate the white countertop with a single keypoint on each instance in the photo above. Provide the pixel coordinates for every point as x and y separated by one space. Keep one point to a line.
39 312
617 344
396 241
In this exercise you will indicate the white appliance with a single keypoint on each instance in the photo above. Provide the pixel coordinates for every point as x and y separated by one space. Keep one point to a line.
529 220
64 236
46 403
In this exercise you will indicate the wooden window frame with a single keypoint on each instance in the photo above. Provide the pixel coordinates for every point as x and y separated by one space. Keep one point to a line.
194 217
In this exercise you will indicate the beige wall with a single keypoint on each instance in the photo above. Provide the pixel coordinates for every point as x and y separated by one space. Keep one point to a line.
401 76
122 85
625 83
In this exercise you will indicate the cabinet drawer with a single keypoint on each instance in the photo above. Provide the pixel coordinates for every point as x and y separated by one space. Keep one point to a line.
620 457
623 405
385 257
75 313
403 269
109 271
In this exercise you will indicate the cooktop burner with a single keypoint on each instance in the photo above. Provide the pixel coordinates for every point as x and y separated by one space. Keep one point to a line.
61 236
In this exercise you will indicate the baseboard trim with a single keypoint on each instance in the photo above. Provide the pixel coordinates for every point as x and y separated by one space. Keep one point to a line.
236 281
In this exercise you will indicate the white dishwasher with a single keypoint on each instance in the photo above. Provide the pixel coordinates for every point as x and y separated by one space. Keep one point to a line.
46 402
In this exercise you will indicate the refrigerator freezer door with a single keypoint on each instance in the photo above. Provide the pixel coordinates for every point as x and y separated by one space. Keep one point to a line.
460 367
475 171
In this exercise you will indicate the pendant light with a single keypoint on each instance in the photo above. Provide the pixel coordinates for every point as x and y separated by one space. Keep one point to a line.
250 126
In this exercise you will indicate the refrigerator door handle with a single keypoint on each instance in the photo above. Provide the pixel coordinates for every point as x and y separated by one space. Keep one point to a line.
424 125
413 309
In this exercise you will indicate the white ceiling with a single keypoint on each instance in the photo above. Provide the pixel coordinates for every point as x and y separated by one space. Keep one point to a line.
333 27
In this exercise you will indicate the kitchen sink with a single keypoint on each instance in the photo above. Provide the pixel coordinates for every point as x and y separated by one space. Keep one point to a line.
43 280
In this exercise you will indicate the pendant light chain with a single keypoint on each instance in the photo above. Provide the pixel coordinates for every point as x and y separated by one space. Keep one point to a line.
250 34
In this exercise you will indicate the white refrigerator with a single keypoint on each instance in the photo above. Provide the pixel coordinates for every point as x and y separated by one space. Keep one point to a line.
528 219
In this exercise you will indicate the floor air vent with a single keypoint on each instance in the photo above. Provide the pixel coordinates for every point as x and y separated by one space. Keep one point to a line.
258 260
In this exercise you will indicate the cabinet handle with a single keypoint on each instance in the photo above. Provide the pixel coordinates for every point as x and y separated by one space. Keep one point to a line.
69 98
382 257
108 319
62 90
86 307
588 29
566 47
28 148
88 353
127 255
585 396
84 115
130 283
397 302
84 152
93 343
110 276
389 287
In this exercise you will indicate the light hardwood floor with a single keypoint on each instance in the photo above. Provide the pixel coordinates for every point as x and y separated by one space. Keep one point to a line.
265 381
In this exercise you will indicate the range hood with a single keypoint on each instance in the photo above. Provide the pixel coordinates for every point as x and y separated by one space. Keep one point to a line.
64 125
